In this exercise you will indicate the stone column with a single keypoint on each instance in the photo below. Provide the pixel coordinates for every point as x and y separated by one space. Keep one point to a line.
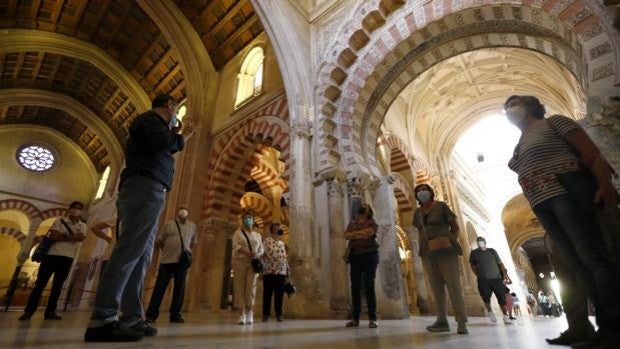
304 243
391 302
418 269
339 288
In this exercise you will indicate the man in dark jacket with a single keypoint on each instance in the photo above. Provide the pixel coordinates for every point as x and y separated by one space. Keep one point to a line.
153 139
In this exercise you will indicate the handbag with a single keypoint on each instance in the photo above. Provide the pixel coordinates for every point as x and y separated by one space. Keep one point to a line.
185 259
346 257
46 243
289 288
257 265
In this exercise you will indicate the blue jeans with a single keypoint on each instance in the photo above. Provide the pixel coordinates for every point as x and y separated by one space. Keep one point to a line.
578 240
139 204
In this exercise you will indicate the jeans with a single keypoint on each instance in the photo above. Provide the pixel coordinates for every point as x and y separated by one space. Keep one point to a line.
140 201
577 238
60 267
574 296
273 285
165 273
364 268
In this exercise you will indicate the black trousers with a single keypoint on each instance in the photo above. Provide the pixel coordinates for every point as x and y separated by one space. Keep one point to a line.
165 273
59 266
364 269
273 285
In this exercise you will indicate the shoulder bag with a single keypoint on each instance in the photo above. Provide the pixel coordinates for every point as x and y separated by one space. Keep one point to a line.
185 259
46 243
257 265
439 243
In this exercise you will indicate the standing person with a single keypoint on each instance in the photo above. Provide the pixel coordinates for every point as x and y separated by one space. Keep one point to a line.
574 300
169 241
492 277
67 233
531 303
509 304
247 246
516 304
567 181
153 140
439 249
275 272
364 259
543 300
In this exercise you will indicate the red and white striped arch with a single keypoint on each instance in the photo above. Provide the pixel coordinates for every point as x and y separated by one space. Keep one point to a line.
18 235
235 158
30 210
387 43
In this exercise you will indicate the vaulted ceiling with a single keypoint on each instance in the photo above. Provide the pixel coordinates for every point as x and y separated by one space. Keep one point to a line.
127 36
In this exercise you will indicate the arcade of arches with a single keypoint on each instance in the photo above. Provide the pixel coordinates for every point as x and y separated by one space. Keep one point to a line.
306 109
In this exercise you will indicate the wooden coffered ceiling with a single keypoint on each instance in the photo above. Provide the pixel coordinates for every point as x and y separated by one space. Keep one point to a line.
128 35
225 26
62 122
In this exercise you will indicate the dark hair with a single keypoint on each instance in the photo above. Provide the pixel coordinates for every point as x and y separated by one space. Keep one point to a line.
76 203
273 227
419 187
366 210
162 101
480 238
513 294
531 104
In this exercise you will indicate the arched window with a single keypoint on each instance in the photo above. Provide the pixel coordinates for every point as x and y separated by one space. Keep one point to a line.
103 182
250 78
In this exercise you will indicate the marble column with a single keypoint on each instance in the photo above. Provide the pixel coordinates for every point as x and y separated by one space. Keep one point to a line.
304 242
418 270
339 287
391 299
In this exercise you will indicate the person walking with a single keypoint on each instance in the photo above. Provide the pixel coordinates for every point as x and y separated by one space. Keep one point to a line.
178 235
67 234
439 249
364 259
154 137
492 278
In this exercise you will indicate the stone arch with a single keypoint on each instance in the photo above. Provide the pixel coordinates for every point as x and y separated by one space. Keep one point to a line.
520 223
55 212
223 190
561 32
17 234
30 210
403 193
472 235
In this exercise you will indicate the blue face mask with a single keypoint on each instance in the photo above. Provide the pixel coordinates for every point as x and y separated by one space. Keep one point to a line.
248 221
424 195
173 120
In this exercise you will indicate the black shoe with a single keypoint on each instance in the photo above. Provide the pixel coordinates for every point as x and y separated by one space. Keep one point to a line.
25 317
144 328
112 332
52 316
279 318
564 339
150 320
512 318
353 323
596 342
177 319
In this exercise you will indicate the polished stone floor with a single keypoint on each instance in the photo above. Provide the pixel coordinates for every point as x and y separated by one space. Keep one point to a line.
214 332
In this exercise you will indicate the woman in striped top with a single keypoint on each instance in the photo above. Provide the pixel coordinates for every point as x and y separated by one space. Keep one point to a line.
552 149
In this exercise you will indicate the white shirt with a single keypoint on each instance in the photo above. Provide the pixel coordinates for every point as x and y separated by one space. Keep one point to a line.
239 242
67 248
171 250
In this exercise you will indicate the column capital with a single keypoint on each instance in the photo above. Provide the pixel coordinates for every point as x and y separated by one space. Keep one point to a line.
301 131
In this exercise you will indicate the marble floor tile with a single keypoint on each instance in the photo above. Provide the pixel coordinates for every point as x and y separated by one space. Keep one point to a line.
219 331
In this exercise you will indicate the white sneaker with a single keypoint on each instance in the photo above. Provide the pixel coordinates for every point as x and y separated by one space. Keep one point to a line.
507 320
249 318
491 317
241 319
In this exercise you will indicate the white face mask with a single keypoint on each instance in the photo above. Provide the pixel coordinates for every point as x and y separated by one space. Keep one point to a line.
424 195
482 244
183 213
516 114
